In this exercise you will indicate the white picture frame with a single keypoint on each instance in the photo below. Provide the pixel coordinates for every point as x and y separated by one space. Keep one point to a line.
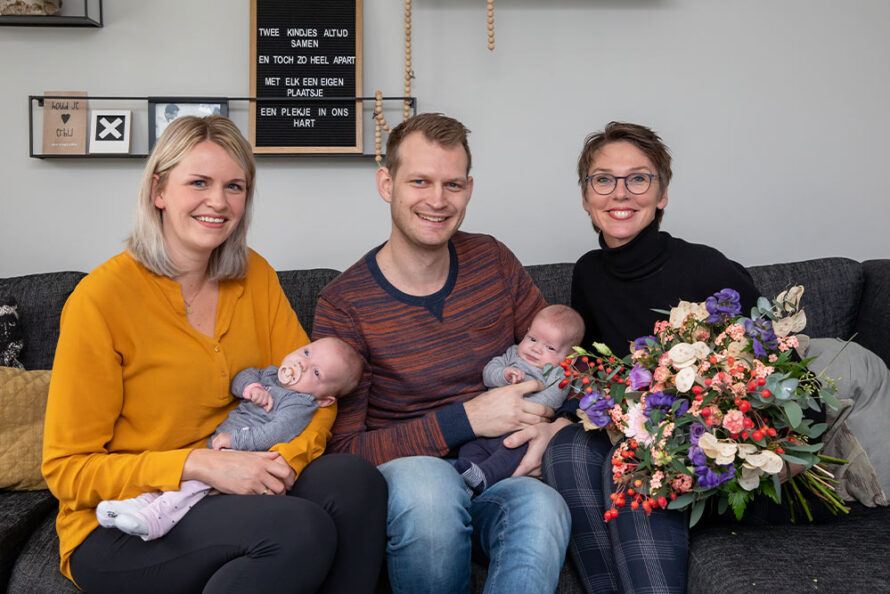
110 131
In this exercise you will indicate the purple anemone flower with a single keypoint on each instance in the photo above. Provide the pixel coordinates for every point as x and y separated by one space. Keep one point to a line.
640 377
597 406
762 336
642 343
723 304
696 430
659 400
707 477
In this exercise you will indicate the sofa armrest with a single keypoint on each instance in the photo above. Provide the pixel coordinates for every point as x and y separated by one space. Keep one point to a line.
21 512
873 322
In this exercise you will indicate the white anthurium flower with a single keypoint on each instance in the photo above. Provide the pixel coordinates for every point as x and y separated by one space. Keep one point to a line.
682 355
685 378
790 299
684 309
701 349
767 461
736 348
721 451
790 325
750 478
746 449
727 451
684 365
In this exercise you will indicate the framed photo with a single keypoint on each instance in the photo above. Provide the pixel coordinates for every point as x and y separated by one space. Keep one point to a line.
110 131
163 110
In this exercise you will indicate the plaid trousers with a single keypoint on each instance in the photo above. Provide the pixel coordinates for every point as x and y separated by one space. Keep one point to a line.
633 553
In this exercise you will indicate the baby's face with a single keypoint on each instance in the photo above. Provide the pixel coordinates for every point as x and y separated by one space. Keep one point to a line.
315 369
543 343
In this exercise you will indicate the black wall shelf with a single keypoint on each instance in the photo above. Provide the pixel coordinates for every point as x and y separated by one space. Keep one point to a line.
87 19
36 102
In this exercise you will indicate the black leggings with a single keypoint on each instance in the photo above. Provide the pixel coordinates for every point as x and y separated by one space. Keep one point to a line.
328 535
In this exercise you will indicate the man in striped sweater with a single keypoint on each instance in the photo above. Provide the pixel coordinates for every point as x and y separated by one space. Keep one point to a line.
427 310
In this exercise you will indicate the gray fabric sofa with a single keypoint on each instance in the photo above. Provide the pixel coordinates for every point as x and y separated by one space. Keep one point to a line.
842 297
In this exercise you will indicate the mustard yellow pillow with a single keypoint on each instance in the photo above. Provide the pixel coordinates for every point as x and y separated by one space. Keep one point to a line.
22 407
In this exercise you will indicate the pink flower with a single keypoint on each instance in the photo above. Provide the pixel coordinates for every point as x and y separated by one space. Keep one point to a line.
682 483
735 331
655 481
733 421
661 374
788 342
761 370
636 420
701 334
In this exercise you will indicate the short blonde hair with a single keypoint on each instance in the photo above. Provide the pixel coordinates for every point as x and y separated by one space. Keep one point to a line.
567 320
146 242
435 127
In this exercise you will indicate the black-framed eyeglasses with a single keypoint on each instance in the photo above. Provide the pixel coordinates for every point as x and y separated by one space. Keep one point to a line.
636 183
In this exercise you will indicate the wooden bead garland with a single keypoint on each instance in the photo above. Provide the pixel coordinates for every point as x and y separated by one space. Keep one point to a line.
490 25
380 124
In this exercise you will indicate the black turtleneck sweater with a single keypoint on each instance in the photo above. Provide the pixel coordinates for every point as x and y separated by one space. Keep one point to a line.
615 289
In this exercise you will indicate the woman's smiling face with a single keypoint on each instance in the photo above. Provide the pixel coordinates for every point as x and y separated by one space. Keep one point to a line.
203 200
621 215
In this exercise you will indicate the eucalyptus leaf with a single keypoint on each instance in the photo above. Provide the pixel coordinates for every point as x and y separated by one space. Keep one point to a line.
794 459
696 513
817 430
764 305
793 412
804 447
829 397
682 501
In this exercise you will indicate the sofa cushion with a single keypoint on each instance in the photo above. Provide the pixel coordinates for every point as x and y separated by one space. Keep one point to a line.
36 570
833 287
22 406
554 281
302 288
40 300
20 514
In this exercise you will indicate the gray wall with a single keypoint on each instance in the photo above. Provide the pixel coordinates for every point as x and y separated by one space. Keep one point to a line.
776 113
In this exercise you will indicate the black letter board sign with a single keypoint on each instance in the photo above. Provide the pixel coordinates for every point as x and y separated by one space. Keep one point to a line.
306 49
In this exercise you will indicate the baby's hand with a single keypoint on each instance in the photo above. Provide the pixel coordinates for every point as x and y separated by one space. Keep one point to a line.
222 441
260 397
514 375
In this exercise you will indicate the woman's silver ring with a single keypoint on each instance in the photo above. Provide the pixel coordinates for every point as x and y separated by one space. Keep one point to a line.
265 491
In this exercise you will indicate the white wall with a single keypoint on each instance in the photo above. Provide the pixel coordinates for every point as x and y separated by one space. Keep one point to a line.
776 113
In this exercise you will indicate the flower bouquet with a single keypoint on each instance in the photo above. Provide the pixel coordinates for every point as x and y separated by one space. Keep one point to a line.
710 407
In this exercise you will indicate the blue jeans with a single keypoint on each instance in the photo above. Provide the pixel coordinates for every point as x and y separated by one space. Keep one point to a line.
520 524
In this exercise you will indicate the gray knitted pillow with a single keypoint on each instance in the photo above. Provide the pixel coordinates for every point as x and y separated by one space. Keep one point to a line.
860 430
